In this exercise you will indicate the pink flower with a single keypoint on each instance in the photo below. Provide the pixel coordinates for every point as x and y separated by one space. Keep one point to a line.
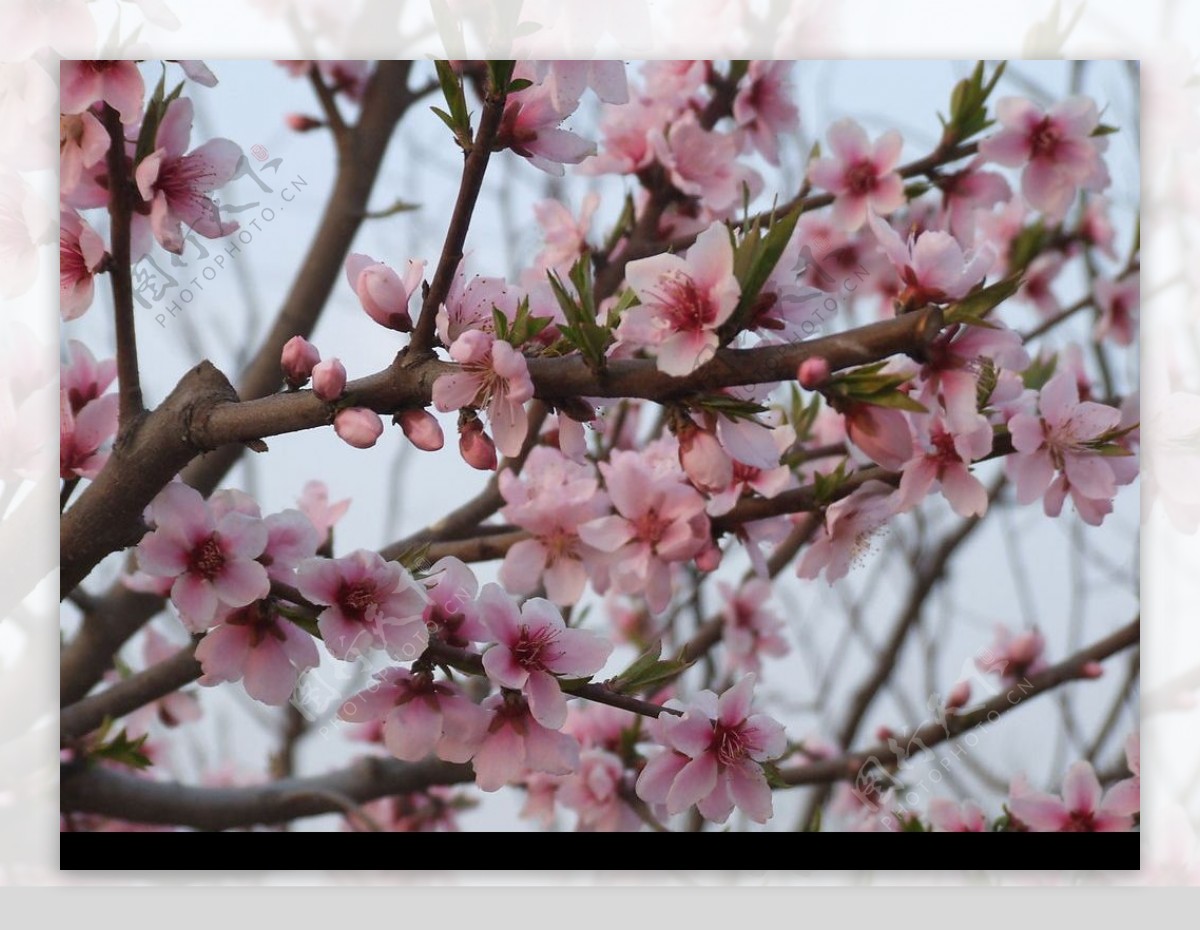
358 426
420 715
381 291
452 588
627 137
550 498
117 83
314 504
171 710
847 531
1125 797
1013 657
291 538
82 433
967 191
178 185
531 127
370 604
859 175
883 433
80 254
565 236
701 163
932 266
83 143
684 301
533 647
594 793
493 374
83 379
297 360
946 816
1062 441
469 305
422 429
950 375
265 652
211 560
1037 280
1118 302
1055 147
516 744
763 108
329 379
569 79
659 520
1081 809
749 629
707 465
713 757
944 457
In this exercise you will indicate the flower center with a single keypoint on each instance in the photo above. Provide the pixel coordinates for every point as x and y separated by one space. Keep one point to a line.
861 178
686 308
744 473
650 526
207 559
1043 141
356 598
730 744
531 648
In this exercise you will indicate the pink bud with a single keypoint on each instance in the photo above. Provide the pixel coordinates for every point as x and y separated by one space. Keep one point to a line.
884 733
476 446
422 429
1091 670
958 696
297 360
329 379
813 372
358 426
706 463
381 292
1026 647
709 558
299 122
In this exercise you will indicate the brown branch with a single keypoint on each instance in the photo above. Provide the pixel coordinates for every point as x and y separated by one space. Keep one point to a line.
122 196
109 793
128 695
333 116
928 735
474 168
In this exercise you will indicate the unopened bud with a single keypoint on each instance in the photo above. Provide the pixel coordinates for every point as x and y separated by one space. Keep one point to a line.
422 429
813 372
358 426
297 360
329 379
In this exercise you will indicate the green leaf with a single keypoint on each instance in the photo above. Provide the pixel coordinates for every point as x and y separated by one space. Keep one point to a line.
124 751
519 84
1104 130
758 254
974 308
774 776
581 330
1040 371
726 405
896 400
647 669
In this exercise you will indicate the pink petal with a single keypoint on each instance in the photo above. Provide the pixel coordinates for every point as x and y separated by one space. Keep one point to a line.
547 703
654 782
509 426
691 734
503 669
734 705
269 676
241 583
196 601
500 760
565 581
848 140
580 653
161 555
523 566
411 730
684 352
607 534
697 779
749 790
1040 812
1081 788
456 390
964 491
223 653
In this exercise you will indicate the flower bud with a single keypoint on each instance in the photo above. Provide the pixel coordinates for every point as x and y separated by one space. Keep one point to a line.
358 426
813 372
381 292
299 122
476 446
329 379
707 465
958 696
297 360
422 429
709 558
1091 670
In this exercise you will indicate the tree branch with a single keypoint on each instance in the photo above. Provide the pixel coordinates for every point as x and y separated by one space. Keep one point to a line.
121 199
928 735
474 168
93 790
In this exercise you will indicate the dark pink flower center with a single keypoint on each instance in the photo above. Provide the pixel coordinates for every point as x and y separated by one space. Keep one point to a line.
943 448
861 177
686 307
1080 822
207 559
1044 139
356 598
744 473
261 621
533 648
650 526
730 744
